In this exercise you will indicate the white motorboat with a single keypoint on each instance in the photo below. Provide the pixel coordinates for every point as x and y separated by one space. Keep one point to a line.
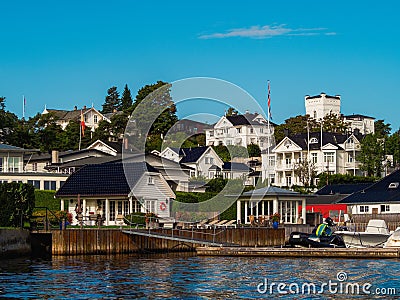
375 235
394 240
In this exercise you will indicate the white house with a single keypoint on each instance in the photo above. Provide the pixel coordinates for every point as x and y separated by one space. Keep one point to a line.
382 197
202 160
113 190
331 152
264 202
14 169
317 107
240 130
91 116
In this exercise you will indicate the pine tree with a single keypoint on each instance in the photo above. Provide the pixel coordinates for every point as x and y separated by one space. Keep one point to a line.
126 100
112 101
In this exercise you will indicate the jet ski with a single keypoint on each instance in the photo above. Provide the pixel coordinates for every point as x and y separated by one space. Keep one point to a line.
322 236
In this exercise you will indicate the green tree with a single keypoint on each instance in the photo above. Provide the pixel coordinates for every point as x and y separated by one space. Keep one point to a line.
8 122
49 133
254 150
371 155
306 171
126 100
381 129
103 131
333 123
70 137
112 101
393 147
231 112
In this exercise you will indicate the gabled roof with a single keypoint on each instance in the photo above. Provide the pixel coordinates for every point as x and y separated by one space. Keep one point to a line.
358 116
190 155
384 191
235 166
271 190
343 189
104 180
10 148
335 139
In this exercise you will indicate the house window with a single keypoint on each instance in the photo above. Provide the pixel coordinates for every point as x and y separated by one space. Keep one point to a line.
35 183
119 207
1 164
211 133
364 208
150 180
261 130
313 140
350 158
112 210
95 119
13 164
329 157
251 130
271 161
85 118
229 142
34 167
314 158
150 206
315 114
288 161
239 130
50 185
288 181
385 208
126 208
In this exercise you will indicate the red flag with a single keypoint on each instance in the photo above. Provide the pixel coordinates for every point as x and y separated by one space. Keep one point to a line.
269 101
82 124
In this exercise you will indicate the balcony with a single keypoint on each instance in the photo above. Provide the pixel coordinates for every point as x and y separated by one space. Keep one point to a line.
284 167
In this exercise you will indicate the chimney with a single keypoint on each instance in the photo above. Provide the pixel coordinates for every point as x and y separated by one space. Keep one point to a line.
356 131
54 156
84 107
75 107
286 131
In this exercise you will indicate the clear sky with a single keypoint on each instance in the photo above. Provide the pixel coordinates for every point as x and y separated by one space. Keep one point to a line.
66 53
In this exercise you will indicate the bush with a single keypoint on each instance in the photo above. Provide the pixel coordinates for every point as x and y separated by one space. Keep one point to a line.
17 201
135 218
46 199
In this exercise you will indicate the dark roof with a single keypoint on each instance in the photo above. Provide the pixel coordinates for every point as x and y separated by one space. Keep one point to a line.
191 154
235 166
214 167
91 160
324 199
63 154
68 114
7 148
327 138
271 190
379 192
357 116
115 145
319 96
343 189
104 180
246 119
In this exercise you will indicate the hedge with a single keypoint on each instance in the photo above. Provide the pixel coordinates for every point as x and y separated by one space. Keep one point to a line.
17 201
46 199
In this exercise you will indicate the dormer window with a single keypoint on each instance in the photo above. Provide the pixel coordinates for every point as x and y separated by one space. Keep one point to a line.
393 185
313 140
150 180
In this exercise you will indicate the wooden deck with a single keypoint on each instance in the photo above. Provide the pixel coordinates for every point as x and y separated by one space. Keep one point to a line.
300 252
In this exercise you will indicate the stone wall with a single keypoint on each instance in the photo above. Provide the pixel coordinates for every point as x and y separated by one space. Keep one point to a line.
14 242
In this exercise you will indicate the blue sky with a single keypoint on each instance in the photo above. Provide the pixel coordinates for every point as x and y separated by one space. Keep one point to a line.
66 53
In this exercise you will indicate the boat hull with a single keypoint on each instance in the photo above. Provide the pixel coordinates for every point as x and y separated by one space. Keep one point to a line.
363 239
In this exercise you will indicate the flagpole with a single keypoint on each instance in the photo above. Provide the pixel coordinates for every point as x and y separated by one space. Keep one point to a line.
23 106
80 133
269 133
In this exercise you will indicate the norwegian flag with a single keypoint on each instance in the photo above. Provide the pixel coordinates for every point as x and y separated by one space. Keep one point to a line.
269 101
83 125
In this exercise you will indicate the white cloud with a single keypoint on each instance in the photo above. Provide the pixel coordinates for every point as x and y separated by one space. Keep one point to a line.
267 31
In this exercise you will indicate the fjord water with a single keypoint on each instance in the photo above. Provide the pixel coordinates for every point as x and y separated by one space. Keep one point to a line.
183 276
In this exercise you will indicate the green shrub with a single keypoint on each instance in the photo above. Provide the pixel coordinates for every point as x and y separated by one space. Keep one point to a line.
135 218
46 199
17 201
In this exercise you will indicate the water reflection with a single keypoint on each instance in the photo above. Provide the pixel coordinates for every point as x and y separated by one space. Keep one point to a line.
179 276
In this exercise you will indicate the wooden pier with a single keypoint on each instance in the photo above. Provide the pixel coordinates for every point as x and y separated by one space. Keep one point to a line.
300 252
114 241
